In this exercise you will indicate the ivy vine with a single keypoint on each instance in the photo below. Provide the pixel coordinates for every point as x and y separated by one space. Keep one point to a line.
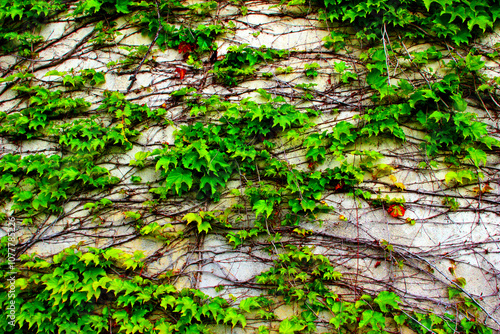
258 168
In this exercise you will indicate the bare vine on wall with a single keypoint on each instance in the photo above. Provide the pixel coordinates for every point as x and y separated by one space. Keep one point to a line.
291 167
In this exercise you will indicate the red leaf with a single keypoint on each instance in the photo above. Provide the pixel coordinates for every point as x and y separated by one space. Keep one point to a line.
396 210
181 72
339 185
378 263
185 47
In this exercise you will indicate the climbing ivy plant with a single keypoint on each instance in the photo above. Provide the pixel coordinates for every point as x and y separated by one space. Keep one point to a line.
234 154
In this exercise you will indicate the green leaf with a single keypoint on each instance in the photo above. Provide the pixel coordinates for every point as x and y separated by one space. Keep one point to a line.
91 292
340 67
164 288
98 78
213 308
192 217
21 283
165 161
218 163
132 214
6 180
104 202
235 317
70 173
262 206
192 160
477 156
422 95
400 318
183 91
375 319
13 11
283 120
264 94
460 103
168 301
347 76
204 43
443 3
249 303
376 79
23 196
92 274
450 176
437 115
150 228
204 227
308 204
385 298
461 37
473 63
122 6
212 181
121 316
93 4
102 282
89 257
489 141
295 205
112 253
481 21
181 179
289 327
41 200
452 292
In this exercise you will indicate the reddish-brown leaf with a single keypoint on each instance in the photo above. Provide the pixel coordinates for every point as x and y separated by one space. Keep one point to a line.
181 72
396 210
186 47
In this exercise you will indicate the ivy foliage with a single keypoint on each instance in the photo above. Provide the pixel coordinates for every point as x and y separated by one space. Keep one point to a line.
102 289
40 183
19 18
457 21
240 60
206 155
301 277
440 111
220 143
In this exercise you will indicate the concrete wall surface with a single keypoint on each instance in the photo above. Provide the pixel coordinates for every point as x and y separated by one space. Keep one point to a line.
394 216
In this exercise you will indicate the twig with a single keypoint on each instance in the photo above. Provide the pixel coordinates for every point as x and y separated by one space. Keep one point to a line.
455 285
133 77
384 33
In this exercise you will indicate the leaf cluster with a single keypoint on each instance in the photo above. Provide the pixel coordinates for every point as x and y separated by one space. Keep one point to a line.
240 62
100 289
38 183
458 21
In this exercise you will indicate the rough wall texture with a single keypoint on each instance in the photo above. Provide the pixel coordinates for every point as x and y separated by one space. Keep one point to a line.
407 219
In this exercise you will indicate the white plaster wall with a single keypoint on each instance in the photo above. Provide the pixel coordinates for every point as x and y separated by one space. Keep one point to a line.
469 238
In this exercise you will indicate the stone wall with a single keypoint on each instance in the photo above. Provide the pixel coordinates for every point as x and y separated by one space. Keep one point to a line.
447 229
